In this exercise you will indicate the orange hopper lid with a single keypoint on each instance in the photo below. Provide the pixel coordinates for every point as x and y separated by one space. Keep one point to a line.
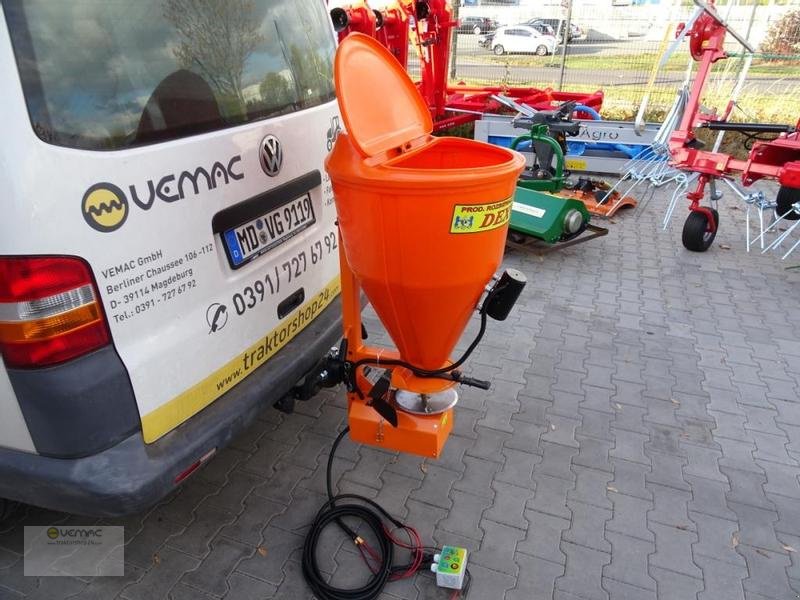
380 105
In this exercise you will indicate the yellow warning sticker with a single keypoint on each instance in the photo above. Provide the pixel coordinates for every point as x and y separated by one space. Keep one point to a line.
575 164
474 218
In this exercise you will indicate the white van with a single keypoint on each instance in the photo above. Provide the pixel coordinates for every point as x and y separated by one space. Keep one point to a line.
168 249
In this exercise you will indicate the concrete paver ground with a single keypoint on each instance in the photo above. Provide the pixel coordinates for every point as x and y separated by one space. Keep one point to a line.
641 440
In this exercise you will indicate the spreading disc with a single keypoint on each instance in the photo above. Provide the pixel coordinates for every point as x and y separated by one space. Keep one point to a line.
425 404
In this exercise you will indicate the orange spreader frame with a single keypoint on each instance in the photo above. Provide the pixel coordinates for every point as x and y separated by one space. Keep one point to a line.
416 434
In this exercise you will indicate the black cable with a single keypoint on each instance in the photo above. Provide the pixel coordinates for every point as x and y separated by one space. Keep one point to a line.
420 372
374 517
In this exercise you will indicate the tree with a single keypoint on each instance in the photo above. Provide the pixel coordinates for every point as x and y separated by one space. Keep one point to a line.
216 38
784 36
276 91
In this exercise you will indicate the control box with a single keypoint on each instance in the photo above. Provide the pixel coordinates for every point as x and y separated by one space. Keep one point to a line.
450 566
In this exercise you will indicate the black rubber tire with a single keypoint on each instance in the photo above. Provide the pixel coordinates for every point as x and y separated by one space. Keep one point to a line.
695 237
541 50
786 197
499 50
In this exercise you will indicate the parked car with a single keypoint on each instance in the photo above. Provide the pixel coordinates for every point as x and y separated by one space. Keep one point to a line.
522 39
168 246
553 25
476 25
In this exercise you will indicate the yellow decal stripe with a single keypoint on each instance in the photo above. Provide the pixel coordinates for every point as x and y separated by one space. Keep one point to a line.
474 218
179 409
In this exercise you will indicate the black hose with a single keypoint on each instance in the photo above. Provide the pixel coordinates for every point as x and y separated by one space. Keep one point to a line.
373 516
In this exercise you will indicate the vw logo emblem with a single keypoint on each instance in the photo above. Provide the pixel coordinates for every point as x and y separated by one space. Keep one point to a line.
270 155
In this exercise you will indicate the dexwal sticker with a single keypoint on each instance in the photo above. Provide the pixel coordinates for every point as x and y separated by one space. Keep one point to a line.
473 218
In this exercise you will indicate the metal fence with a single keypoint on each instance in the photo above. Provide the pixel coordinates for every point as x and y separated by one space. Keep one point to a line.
617 45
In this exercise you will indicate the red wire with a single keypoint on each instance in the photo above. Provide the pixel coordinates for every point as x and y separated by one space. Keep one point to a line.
414 544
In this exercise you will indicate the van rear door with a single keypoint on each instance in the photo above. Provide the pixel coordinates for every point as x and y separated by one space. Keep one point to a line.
183 147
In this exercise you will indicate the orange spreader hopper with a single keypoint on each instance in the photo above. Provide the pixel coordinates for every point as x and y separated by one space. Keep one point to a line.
422 224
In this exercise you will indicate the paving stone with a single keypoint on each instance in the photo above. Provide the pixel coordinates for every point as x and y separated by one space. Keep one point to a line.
756 526
231 497
670 507
435 488
709 497
593 453
598 399
489 445
667 470
788 510
242 587
162 576
179 507
465 514
630 447
497 547
464 421
629 561
674 585
772 448
561 430
583 573
767 572
550 496
196 538
478 476
721 579
486 583
629 479
596 425
630 516
587 526
665 440
536 578
556 459
139 551
303 507
591 487
532 409
509 504
247 527
424 517
673 550
781 479
279 545
543 536
698 432
212 573
294 586
622 591
518 468
526 437
703 462
286 477
102 588
747 488
717 539
367 471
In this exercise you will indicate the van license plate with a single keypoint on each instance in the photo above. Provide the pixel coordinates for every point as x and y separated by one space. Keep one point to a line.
254 238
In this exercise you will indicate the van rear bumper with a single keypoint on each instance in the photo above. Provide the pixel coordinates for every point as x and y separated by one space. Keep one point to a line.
131 476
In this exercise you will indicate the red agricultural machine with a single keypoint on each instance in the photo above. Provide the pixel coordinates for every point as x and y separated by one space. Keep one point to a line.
428 25
777 159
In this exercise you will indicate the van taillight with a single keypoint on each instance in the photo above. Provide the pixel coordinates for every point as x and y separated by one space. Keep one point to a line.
50 311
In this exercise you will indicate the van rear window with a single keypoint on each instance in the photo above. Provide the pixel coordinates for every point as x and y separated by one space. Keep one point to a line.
114 74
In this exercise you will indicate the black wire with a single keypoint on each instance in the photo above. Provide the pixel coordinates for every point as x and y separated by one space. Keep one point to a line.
370 513
420 372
